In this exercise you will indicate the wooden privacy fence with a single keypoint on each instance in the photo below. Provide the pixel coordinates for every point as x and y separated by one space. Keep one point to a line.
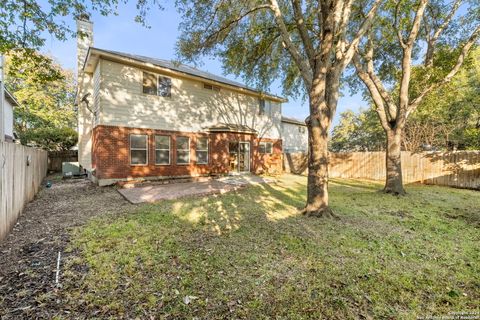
457 169
56 158
22 170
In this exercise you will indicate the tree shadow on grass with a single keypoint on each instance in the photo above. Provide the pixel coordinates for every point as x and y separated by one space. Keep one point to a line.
246 254
360 185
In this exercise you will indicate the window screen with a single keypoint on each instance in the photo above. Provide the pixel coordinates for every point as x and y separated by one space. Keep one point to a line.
164 86
202 150
149 83
138 149
183 150
162 150
265 147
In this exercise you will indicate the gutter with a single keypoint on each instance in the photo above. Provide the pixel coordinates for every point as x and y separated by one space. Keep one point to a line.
293 121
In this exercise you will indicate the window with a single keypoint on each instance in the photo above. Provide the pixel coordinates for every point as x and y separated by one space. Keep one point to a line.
202 150
138 149
301 129
261 106
149 83
164 86
183 150
265 147
211 87
161 86
162 150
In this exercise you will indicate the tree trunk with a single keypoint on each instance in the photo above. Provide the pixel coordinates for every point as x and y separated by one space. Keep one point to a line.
394 181
317 188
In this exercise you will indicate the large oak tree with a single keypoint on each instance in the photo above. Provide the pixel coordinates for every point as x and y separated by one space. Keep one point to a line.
405 34
306 44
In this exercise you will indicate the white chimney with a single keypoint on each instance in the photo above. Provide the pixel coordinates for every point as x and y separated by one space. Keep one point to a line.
84 40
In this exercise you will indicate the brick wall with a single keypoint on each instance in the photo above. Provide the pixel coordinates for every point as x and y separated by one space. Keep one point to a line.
111 154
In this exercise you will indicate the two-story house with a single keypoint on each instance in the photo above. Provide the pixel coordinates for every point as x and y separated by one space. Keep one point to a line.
141 117
9 102
294 135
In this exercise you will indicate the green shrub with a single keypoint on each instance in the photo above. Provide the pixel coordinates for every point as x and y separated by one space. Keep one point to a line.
50 138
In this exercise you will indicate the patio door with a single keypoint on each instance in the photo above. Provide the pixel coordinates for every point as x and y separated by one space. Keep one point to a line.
239 156
244 157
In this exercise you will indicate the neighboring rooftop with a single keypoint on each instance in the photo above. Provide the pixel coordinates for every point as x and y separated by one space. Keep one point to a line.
183 68
226 127
10 98
293 121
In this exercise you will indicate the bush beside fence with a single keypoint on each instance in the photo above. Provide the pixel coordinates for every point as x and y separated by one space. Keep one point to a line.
457 169
22 170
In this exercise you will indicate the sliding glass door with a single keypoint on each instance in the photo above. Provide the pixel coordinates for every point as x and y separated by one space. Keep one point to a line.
239 156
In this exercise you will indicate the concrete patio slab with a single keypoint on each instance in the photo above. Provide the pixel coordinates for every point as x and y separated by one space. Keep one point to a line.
153 193
245 179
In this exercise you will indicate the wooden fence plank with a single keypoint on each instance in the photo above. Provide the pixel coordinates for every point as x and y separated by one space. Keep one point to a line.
457 169
19 180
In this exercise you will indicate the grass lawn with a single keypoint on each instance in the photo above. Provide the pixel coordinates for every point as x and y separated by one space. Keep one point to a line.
249 254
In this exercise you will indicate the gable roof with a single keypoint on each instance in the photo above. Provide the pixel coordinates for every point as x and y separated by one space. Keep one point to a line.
179 67
293 121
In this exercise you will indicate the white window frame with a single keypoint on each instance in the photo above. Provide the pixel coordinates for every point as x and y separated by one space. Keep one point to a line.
157 79
132 149
156 83
176 151
169 150
265 143
203 150
169 96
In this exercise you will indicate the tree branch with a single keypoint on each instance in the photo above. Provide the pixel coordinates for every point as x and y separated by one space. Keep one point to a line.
403 102
237 19
302 30
301 63
344 17
365 26
374 92
433 39
445 23
416 22
395 24
391 108
461 58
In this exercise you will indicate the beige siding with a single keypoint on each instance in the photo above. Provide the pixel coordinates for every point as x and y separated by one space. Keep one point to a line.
191 107
8 118
96 94
85 122
293 139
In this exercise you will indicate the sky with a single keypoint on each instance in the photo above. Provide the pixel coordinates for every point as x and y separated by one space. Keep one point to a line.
121 33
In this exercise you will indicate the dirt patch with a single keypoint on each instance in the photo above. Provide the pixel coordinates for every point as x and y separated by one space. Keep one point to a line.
28 255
